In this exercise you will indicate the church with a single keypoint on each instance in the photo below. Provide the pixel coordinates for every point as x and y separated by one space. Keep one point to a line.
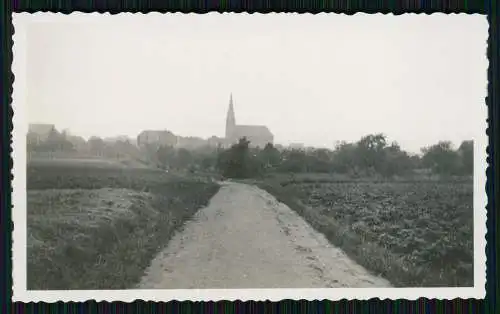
258 135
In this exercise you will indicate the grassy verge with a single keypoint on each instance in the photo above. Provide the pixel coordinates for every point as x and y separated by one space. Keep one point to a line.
99 229
403 256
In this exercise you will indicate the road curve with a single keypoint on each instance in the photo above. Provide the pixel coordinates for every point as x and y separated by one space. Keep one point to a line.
245 238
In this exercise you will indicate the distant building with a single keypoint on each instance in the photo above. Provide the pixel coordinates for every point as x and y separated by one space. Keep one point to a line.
158 138
258 135
119 138
296 146
215 141
279 147
38 132
78 142
190 142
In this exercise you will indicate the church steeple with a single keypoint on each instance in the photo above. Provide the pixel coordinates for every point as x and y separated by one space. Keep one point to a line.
230 119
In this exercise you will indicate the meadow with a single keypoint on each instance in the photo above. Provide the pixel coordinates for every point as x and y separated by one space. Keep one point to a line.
96 227
413 233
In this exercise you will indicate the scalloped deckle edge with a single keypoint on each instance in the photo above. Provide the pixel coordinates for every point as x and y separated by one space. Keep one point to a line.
19 219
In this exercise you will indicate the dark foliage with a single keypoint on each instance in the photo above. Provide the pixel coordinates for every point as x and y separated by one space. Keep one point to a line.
371 156
240 161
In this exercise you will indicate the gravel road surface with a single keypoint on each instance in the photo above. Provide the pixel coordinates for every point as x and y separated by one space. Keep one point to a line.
245 238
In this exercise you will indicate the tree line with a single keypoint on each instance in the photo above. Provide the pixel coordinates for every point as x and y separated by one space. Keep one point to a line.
56 142
370 156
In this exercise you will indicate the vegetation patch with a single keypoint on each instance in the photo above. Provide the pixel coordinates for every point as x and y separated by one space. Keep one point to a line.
99 229
406 217
417 234
63 175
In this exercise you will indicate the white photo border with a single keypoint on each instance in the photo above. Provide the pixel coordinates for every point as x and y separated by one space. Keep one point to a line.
19 200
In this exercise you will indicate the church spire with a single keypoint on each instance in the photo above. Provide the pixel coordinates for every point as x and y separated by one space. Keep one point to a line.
230 119
231 108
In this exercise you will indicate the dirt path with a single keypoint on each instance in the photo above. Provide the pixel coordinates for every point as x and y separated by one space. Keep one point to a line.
246 239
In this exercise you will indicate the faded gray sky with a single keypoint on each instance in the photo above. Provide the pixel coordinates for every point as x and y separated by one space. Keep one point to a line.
313 79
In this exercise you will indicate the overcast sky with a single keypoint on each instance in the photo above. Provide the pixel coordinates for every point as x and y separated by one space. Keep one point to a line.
313 79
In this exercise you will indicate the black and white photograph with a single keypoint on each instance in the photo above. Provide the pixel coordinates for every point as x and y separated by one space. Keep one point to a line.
236 156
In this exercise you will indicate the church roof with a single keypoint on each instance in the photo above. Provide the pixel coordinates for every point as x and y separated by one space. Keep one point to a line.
252 130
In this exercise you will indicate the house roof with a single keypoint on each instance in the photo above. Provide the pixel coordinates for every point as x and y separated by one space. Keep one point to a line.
41 129
252 130
164 132
119 138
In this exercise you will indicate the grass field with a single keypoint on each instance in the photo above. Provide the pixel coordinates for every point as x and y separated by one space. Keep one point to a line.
98 228
85 161
415 234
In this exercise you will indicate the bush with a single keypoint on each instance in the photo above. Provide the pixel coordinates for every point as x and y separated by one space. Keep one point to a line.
239 161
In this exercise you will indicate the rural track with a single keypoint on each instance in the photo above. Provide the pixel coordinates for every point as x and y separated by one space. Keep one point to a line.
245 238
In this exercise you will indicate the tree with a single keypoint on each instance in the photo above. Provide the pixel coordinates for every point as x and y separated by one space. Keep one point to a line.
345 157
205 157
370 150
415 161
96 145
396 161
183 158
441 158
32 141
322 154
237 162
208 162
293 160
269 156
466 152
127 148
165 156
55 142
375 142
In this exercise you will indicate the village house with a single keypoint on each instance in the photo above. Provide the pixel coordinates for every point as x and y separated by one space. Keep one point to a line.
157 138
299 146
190 142
119 138
215 141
